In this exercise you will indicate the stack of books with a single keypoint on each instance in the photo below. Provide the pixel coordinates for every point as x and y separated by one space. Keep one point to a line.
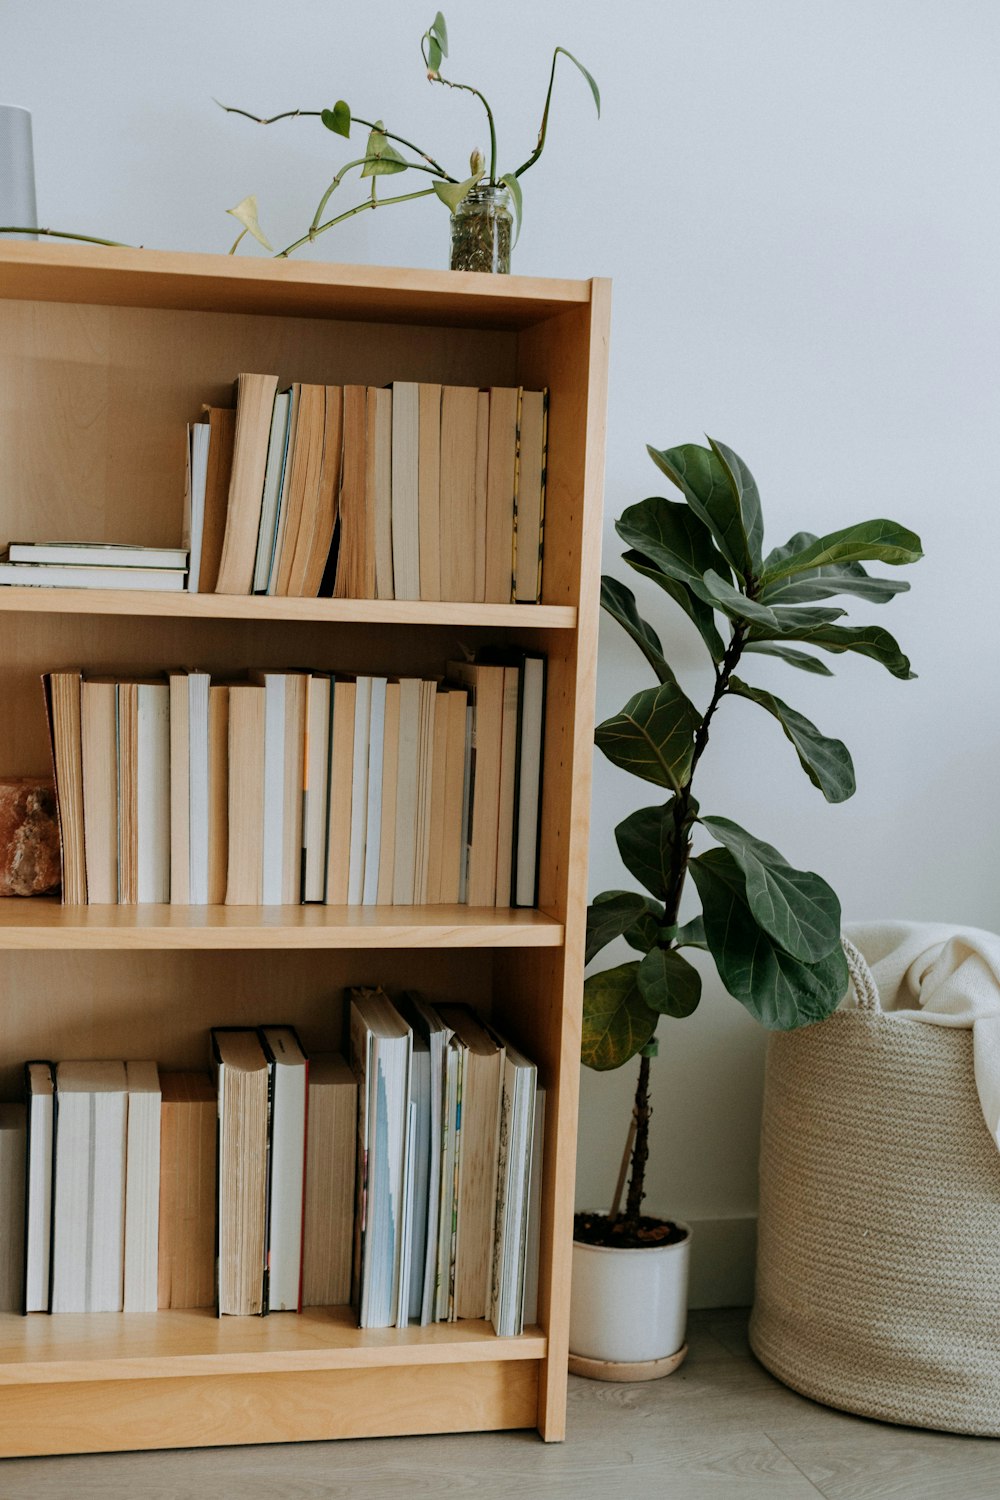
90 565
411 491
296 787
408 1182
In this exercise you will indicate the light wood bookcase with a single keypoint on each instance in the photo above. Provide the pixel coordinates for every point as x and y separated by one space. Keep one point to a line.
104 356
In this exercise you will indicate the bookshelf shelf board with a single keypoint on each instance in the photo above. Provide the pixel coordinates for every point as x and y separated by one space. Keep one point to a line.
311 611
41 923
71 1348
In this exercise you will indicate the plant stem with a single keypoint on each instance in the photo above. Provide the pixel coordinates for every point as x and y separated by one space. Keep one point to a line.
64 234
315 232
467 87
291 114
640 1151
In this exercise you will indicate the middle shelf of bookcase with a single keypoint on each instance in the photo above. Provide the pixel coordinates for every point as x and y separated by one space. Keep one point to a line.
43 924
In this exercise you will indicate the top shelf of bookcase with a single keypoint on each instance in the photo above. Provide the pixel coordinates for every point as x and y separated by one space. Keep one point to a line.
46 272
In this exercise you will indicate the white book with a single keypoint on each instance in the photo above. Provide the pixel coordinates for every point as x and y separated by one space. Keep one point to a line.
316 791
142 1187
277 455
289 1072
30 575
451 1154
359 793
517 1105
198 772
89 1206
12 1158
407 781
430 1038
40 1080
534 1225
194 500
373 822
153 791
402 1291
274 783
98 554
405 489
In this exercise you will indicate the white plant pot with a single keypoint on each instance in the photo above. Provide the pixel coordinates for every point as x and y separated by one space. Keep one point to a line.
628 1309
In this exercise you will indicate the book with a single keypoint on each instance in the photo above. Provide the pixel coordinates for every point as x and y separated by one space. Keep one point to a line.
62 705
89 1201
254 407
274 477
378 485
408 773
390 778
482 479
534 1226
355 572
373 820
331 1152
187 1205
482 1072
425 791
342 735
151 780
500 480
381 1047
429 490
430 1039
438 786
451 1162
406 534
457 527
308 578
12 1168
196 478
40 1087
142 1187
517 1110
288 1070
97 555
99 732
284 751
300 497
38 575
315 785
453 804
241 1079
221 422
189 787
508 783
528 801
245 860
485 686
359 791
530 505
218 793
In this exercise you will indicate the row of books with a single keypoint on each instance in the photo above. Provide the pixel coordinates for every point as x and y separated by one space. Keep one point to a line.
407 1183
92 565
410 491
297 786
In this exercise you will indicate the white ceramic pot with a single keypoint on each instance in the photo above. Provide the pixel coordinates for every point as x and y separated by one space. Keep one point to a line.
629 1306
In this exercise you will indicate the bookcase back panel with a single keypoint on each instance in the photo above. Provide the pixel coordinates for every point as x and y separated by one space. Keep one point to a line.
161 1005
94 401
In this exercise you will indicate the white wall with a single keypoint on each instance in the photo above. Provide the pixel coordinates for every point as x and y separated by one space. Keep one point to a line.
797 200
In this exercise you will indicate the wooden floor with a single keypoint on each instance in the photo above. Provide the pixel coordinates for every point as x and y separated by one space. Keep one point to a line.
720 1429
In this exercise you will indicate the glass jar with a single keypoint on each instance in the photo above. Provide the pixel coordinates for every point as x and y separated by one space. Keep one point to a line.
481 231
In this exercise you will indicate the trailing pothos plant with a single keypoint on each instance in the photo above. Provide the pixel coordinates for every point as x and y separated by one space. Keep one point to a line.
773 931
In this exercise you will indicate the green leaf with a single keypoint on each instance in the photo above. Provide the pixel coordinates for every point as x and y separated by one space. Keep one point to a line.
653 735
794 658
782 992
576 63
434 55
619 603
510 181
383 159
692 934
707 486
734 603
825 583
879 541
617 1022
797 908
794 617
668 983
645 841
674 540
624 914
246 212
439 32
452 193
747 497
338 119
827 762
698 612
866 640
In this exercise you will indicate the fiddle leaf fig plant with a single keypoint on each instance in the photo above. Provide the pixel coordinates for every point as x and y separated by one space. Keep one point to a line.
772 930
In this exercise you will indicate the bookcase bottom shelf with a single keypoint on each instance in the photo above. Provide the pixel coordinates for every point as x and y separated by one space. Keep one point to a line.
94 1383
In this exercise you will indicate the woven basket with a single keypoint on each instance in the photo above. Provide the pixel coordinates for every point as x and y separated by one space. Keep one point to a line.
878 1270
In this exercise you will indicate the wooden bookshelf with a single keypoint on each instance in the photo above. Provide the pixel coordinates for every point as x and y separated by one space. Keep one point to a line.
105 355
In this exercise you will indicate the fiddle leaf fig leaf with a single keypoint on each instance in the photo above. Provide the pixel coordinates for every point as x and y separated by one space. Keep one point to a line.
825 582
246 212
876 541
674 540
692 934
707 484
801 659
866 640
645 841
383 160
452 193
737 606
795 907
624 914
510 181
619 602
792 618
698 612
827 762
653 735
747 497
338 119
617 1022
780 991
668 983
